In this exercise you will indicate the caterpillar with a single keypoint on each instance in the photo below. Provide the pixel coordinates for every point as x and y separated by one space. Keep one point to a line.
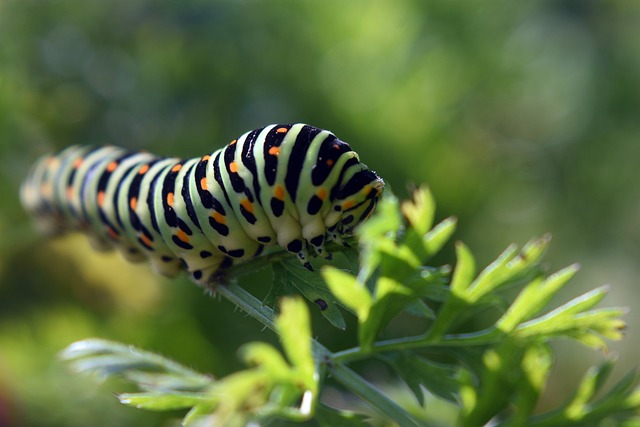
295 186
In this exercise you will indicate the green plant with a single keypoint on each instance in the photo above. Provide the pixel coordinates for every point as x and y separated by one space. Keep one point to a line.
492 374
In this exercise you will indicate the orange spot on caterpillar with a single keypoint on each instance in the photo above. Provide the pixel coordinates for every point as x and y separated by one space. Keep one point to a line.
147 241
348 204
322 194
143 169
233 142
203 183
247 205
206 158
69 193
274 151
330 162
112 166
133 203
113 233
182 236
176 168
77 162
336 146
281 130
101 196
278 192
218 217
170 199
233 167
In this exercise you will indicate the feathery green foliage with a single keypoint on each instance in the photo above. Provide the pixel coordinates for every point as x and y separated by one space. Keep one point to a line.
490 373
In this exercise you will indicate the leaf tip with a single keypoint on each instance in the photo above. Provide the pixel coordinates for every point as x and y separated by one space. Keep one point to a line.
606 287
124 399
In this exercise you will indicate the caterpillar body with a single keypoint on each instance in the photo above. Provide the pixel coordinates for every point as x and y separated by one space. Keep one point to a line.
295 186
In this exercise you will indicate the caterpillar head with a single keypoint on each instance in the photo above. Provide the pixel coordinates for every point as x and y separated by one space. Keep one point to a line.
356 199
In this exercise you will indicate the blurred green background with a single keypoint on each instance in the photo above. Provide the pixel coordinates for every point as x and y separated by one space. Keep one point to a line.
522 116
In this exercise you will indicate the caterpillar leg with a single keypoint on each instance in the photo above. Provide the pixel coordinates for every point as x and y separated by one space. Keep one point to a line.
317 243
212 276
102 244
165 265
99 243
297 247
303 256
132 254
314 234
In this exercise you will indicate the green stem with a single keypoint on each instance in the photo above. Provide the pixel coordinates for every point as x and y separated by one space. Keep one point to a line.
339 371
372 395
421 342
250 304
